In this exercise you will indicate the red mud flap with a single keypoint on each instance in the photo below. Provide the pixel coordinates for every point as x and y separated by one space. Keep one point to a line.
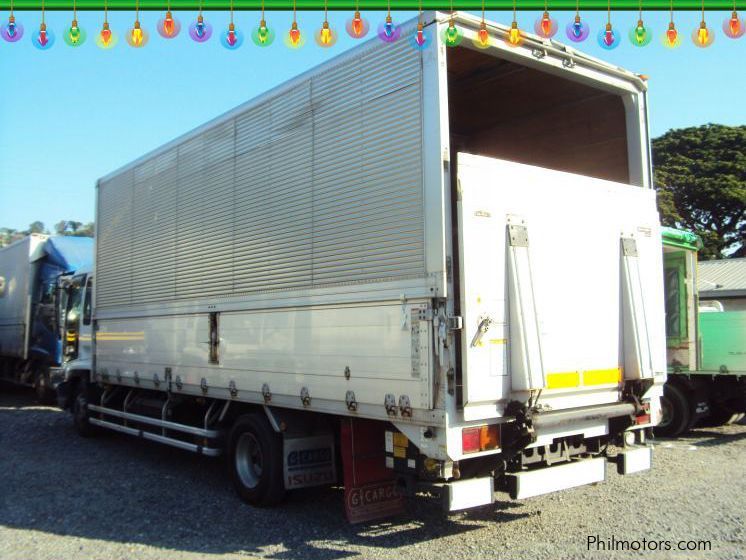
371 491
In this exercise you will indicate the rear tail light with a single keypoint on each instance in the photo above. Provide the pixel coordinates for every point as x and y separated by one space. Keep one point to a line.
480 438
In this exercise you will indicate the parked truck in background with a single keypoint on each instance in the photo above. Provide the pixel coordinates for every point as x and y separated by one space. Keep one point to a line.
404 267
706 348
31 272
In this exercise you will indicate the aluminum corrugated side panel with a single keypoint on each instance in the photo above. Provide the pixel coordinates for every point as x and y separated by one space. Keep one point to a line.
319 185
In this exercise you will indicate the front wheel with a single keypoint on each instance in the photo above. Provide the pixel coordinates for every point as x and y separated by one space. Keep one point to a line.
255 461
81 415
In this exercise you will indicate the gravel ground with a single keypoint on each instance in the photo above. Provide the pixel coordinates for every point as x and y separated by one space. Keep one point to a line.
113 497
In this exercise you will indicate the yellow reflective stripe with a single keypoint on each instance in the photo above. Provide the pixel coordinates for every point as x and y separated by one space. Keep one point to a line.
562 380
602 376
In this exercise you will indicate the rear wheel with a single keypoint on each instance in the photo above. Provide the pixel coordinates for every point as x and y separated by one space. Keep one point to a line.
255 461
677 415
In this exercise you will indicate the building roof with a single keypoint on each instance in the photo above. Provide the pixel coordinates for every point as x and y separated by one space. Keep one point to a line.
722 278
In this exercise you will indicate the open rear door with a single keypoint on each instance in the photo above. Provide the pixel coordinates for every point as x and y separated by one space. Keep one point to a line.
561 286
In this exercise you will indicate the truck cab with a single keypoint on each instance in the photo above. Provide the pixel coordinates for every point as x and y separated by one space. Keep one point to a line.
74 320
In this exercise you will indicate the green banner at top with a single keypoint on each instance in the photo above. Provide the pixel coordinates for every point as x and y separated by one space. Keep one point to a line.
523 5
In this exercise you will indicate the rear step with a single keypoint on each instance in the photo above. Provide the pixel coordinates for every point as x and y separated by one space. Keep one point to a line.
164 425
527 484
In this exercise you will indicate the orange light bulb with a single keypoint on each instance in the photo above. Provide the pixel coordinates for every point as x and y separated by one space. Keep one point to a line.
357 24
735 24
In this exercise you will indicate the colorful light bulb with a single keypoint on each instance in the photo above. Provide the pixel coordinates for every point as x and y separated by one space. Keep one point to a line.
514 34
294 34
168 27
105 34
734 27
75 35
231 38
607 38
137 35
672 36
577 30
388 32
388 27
419 36
325 35
357 25
44 38
11 31
106 38
451 35
262 36
703 36
639 35
545 26
200 31
483 36
263 32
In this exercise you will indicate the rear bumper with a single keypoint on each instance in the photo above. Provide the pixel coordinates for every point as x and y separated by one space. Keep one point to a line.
464 494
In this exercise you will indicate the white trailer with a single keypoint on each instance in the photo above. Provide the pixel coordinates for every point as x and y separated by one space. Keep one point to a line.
443 263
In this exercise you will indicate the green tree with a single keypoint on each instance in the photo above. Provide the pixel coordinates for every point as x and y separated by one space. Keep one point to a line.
700 176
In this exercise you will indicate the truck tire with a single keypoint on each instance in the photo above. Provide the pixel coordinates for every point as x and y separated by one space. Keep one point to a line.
677 414
81 415
255 461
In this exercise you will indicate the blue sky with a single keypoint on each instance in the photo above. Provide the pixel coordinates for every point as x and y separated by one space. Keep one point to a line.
69 116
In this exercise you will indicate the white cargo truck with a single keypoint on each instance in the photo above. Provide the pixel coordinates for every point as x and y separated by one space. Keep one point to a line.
404 267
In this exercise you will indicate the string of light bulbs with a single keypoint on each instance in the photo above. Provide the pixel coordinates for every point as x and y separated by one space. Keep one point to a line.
545 26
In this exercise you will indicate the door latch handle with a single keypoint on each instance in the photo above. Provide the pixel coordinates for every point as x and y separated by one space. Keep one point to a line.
484 326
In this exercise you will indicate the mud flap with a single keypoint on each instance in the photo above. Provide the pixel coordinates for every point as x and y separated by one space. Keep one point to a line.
371 491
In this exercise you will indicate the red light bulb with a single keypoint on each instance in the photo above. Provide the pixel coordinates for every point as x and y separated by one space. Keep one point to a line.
420 36
168 24
672 34
546 24
482 35
43 39
106 34
231 39
608 35
294 33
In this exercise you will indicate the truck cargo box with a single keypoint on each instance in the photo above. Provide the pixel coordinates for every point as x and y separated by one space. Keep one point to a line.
419 236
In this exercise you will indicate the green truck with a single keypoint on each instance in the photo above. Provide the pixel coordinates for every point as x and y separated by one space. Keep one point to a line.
706 348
